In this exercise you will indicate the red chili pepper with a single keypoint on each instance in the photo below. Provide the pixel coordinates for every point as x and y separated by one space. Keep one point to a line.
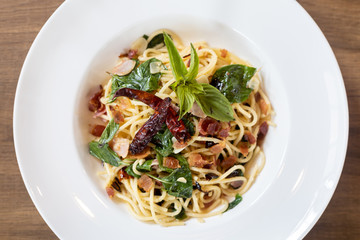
176 127
150 128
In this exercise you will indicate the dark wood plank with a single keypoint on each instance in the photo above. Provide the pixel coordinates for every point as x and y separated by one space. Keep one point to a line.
22 20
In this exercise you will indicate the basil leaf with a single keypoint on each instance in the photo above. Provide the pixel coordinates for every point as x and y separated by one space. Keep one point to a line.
105 153
145 37
190 127
109 132
194 65
214 104
177 65
182 215
186 99
140 78
145 167
156 40
175 187
231 80
234 203
129 171
163 141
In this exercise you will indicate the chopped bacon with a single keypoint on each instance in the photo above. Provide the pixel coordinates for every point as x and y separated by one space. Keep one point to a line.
257 97
94 103
132 53
236 184
209 126
145 183
264 127
141 155
122 174
97 130
171 162
223 53
249 137
117 115
225 129
200 47
263 106
100 111
228 162
197 111
110 191
244 149
217 148
196 160
121 146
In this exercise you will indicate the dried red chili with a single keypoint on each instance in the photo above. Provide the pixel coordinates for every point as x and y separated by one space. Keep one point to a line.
176 127
150 128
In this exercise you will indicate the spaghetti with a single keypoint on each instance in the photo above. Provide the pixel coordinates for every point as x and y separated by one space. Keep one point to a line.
224 158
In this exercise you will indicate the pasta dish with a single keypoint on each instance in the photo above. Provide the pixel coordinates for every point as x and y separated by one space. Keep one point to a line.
181 130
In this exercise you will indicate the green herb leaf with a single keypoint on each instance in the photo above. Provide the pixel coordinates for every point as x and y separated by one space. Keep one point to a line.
145 167
177 188
156 40
140 78
109 132
231 80
194 65
177 65
105 153
186 99
234 203
182 215
214 104
163 141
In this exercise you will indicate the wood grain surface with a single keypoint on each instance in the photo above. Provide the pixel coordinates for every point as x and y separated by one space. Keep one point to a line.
21 20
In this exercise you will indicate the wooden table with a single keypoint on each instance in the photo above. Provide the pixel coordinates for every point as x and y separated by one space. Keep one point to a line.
20 22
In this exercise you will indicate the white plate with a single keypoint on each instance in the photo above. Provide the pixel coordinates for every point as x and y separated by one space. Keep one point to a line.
305 152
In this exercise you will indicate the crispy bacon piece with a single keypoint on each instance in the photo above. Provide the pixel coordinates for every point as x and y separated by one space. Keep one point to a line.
225 129
132 53
263 106
122 174
151 127
228 162
249 137
217 148
196 160
244 148
171 162
110 191
223 53
94 103
145 183
209 126
264 127
120 146
97 130
177 128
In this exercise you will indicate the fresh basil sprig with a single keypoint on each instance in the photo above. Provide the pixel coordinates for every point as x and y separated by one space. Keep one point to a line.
188 90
